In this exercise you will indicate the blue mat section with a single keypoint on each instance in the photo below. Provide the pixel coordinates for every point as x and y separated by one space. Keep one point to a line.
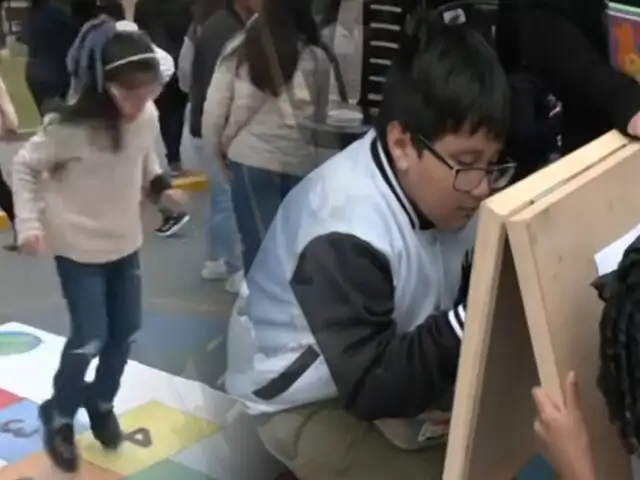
538 469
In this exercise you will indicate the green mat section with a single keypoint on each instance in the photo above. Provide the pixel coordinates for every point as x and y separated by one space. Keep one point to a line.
12 67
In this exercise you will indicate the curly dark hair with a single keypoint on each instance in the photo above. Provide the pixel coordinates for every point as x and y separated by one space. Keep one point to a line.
619 375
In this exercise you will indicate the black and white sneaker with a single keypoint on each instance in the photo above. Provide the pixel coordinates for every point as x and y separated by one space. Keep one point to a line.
59 441
105 427
171 224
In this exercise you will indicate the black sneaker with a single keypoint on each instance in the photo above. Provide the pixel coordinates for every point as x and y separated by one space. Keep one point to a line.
105 427
171 224
59 442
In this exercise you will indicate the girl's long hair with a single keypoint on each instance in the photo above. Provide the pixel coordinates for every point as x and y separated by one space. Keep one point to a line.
271 48
274 41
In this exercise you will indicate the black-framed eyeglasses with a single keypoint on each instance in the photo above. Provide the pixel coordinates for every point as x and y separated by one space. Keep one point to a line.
467 179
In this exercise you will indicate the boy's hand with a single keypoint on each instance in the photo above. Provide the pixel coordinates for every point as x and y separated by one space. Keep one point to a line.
174 198
561 428
34 244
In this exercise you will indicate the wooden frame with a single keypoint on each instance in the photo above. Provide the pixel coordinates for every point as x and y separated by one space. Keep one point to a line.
491 434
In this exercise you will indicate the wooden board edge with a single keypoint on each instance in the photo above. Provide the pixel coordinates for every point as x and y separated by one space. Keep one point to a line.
547 180
533 302
487 264
544 202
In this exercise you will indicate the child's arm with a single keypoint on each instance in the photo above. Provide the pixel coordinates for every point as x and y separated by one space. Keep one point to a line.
38 155
185 61
158 184
155 180
562 430
217 106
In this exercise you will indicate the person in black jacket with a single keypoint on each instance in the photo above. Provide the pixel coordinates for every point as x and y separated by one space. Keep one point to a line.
565 42
49 32
167 23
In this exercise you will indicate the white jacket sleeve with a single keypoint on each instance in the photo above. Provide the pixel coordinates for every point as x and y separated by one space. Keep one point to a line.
167 65
185 64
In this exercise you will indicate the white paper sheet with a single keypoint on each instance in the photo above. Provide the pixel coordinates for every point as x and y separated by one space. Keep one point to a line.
608 258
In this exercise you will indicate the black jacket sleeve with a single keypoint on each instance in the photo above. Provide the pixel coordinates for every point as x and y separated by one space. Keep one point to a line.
558 40
345 289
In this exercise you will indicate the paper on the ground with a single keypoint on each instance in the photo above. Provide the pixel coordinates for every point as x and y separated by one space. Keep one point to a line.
608 258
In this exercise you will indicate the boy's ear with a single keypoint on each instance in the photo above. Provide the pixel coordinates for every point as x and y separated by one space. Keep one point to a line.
400 146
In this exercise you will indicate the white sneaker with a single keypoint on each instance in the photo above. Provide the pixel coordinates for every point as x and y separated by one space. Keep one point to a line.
234 283
214 270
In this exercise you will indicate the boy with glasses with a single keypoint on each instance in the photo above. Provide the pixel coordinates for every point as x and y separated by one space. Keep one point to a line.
345 345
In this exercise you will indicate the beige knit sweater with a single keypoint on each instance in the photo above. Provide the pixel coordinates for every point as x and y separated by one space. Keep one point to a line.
70 185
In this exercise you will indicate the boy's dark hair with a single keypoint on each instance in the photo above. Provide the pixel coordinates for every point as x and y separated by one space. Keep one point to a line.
100 45
445 79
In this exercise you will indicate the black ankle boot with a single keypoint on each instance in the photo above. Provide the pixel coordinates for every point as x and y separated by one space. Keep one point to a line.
105 427
59 441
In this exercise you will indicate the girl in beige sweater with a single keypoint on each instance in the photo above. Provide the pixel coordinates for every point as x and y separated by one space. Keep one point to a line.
78 184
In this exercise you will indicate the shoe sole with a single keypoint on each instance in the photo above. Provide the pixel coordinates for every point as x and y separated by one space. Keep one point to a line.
175 228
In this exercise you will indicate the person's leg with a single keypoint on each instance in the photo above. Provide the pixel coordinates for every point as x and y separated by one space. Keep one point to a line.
256 195
6 199
84 289
38 92
252 194
323 442
224 254
6 205
172 104
44 89
124 312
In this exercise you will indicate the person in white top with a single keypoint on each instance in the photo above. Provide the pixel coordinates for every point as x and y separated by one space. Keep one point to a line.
267 79
78 186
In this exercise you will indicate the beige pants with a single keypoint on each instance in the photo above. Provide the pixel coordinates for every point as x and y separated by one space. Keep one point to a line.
323 442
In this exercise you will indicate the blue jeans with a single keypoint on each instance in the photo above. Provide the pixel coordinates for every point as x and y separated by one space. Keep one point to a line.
223 241
257 194
105 307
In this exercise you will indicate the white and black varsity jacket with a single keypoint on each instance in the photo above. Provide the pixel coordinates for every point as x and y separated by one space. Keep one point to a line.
353 295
